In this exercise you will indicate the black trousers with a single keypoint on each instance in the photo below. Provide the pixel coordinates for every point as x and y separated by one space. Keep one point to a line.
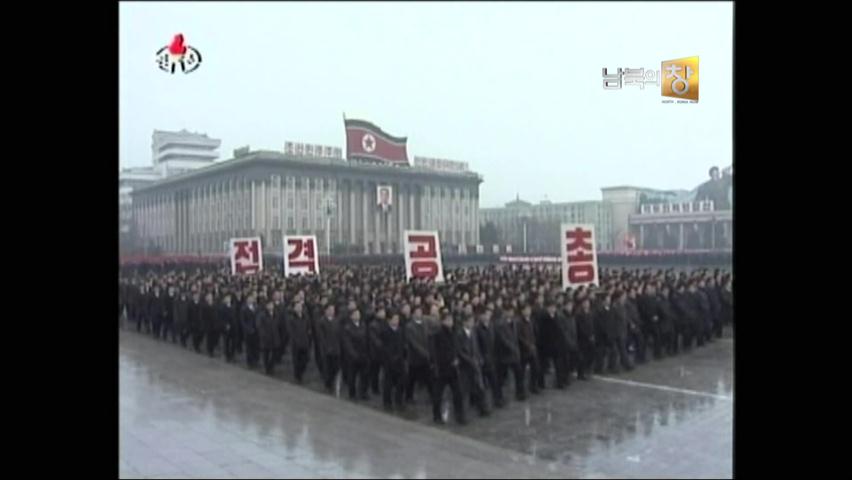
197 338
473 388
230 345
563 374
690 335
418 374
532 361
156 325
169 331
184 335
544 363
269 360
285 340
330 368
637 338
717 326
240 338
300 363
618 353
393 387
601 349
375 367
653 336
502 372
319 357
443 380
212 342
489 379
358 373
587 358
252 350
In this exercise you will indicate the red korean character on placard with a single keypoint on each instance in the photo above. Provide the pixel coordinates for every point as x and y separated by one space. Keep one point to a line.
247 258
581 267
425 266
303 254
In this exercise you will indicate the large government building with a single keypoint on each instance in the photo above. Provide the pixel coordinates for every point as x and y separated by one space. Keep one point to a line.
307 189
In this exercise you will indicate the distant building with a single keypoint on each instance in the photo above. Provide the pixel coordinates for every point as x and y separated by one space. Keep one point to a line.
626 218
172 153
270 194
542 223
177 152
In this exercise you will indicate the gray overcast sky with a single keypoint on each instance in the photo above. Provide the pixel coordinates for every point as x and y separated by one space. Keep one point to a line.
514 89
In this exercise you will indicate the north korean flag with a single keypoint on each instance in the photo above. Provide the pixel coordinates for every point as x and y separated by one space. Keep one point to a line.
367 141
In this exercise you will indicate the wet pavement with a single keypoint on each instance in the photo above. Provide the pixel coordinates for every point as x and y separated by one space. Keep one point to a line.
187 415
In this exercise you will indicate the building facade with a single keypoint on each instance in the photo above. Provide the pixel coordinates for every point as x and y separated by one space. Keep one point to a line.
269 194
529 228
682 226
178 152
172 153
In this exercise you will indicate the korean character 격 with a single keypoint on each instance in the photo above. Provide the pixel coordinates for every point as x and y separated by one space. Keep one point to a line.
609 78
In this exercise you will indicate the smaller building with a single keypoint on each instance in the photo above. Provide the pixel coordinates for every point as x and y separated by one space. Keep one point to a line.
178 152
530 228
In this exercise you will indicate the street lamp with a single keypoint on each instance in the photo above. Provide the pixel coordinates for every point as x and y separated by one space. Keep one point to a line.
331 205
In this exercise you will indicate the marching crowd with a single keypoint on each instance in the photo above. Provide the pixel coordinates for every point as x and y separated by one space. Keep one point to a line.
468 334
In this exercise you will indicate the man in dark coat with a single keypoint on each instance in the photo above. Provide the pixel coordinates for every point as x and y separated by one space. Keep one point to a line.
328 331
713 294
316 313
616 333
168 329
228 319
444 364
486 342
141 309
239 303
601 311
701 307
355 355
196 321
268 335
211 323
668 336
685 312
727 299
553 344
156 309
299 328
585 338
281 323
472 383
248 322
650 322
528 348
568 329
375 327
394 364
181 316
508 354
417 348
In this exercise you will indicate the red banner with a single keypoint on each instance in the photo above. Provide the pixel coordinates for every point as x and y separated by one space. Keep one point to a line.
365 140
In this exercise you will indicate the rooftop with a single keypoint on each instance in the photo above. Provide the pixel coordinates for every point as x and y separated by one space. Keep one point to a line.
279 158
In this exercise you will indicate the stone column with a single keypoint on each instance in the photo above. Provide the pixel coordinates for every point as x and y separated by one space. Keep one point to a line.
680 238
364 214
641 236
413 196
